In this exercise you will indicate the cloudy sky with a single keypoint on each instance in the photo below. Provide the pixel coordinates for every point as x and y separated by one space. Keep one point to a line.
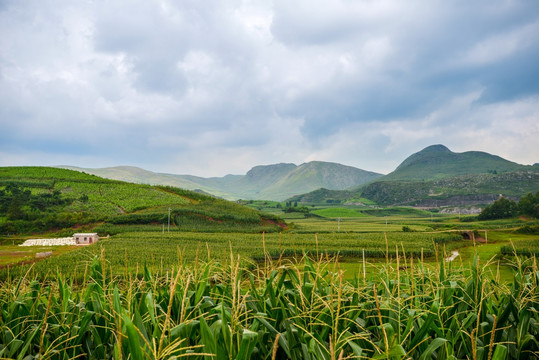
215 86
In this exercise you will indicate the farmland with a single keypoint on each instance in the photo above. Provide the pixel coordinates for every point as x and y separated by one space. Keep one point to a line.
159 252
82 200
283 310
135 246
228 281
202 228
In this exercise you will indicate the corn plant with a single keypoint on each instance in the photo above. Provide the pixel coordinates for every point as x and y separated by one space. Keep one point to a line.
279 310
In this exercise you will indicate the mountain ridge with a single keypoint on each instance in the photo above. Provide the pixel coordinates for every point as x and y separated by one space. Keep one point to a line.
262 182
437 162
436 176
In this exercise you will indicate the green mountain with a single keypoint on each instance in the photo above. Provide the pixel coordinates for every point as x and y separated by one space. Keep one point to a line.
266 182
437 162
436 176
39 199
462 190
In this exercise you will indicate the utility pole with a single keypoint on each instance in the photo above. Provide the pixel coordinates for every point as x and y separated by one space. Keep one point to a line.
339 224
168 230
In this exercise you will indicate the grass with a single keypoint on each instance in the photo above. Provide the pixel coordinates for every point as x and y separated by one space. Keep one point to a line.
13 254
359 225
335 212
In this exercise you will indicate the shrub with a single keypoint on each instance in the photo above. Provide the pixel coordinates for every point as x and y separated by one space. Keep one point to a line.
500 209
528 229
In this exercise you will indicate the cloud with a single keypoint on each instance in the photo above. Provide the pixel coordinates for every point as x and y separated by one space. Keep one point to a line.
214 87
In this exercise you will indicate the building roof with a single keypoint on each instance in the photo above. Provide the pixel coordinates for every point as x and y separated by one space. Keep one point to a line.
85 234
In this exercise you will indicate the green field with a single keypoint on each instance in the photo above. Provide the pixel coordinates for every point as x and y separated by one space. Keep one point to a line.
284 310
216 227
230 282
335 212
160 252
42 199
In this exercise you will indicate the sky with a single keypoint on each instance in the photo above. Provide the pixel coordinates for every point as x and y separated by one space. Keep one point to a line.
215 87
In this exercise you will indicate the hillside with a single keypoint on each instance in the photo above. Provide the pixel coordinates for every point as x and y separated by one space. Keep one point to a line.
460 190
267 182
38 199
436 177
437 162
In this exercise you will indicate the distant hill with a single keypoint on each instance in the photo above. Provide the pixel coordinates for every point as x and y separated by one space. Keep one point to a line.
325 196
462 190
39 199
436 176
437 162
266 182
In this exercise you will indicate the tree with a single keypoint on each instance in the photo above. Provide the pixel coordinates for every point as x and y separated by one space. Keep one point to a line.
529 205
500 209
14 211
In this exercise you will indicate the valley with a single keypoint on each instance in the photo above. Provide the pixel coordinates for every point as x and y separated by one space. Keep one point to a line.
200 276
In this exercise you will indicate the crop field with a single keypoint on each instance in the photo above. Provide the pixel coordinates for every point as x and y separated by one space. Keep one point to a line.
160 251
338 212
208 290
41 199
14 254
136 245
351 225
117 198
529 247
298 311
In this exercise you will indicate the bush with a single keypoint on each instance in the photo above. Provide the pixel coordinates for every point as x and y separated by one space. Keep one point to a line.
139 219
499 209
529 205
528 229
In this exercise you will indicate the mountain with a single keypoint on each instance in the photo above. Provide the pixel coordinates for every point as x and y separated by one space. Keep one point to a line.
312 175
461 190
40 199
264 182
436 176
437 162
141 176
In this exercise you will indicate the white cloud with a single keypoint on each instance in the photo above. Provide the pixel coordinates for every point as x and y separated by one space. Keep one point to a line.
499 46
223 86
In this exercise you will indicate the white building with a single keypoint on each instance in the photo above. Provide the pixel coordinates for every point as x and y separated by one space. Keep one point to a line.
85 238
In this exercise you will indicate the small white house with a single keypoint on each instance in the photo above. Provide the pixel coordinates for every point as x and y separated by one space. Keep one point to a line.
85 238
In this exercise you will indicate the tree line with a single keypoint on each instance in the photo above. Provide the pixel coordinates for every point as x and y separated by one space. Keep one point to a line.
27 212
504 208
18 203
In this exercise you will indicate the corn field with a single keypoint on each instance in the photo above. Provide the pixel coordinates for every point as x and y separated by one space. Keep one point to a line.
280 310
160 251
